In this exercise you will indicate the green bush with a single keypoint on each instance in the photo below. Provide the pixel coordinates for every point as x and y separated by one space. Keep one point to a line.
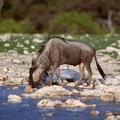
9 25
73 22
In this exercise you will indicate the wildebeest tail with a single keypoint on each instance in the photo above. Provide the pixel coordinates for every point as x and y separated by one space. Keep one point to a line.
99 68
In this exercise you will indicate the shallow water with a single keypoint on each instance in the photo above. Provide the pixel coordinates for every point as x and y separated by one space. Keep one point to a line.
27 110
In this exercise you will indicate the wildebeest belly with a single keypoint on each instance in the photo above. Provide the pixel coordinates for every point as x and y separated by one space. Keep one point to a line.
73 60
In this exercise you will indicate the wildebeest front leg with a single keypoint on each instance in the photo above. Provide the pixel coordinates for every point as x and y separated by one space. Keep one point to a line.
51 76
89 72
52 72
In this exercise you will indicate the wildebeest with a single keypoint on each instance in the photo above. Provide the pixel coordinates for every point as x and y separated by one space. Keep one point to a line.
58 51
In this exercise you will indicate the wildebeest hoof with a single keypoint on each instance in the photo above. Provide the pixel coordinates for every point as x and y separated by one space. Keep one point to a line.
49 83
93 83
88 83
55 83
77 83
93 86
62 83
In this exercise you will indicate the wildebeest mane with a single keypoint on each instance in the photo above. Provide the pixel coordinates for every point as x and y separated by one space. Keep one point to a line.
46 40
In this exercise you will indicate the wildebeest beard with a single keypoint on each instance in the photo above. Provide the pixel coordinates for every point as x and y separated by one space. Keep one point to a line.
36 75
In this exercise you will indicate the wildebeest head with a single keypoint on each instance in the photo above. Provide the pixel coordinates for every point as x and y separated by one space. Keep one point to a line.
35 75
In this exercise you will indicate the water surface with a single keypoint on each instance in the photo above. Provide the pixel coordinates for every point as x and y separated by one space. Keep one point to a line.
27 110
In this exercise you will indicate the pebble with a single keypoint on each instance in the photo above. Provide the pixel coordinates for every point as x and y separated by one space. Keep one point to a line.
94 112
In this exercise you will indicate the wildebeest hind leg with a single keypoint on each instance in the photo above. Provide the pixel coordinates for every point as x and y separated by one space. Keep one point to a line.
58 74
89 72
81 68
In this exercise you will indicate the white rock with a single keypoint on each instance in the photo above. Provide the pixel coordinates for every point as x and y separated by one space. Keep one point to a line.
95 93
38 35
111 88
35 95
71 84
112 117
74 91
16 61
20 45
36 40
16 80
15 88
25 52
52 91
49 103
111 49
113 81
69 37
26 95
32 46
118 42
7 45
70 103
14 99
108 114
27 42
94 112
1 83
117 95
108 97
118 117
77 103
5 37
28 90
101 86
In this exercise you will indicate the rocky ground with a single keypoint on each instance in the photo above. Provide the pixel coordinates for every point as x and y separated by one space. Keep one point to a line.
14 72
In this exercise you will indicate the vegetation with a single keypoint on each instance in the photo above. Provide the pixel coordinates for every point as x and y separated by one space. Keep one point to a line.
73 22
31 43
12 26
59 16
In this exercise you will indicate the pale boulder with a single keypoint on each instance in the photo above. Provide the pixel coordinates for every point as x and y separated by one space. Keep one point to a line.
51 91
49 103
94 112
117 96
95 92
108 97
28 90
14 99
77 103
